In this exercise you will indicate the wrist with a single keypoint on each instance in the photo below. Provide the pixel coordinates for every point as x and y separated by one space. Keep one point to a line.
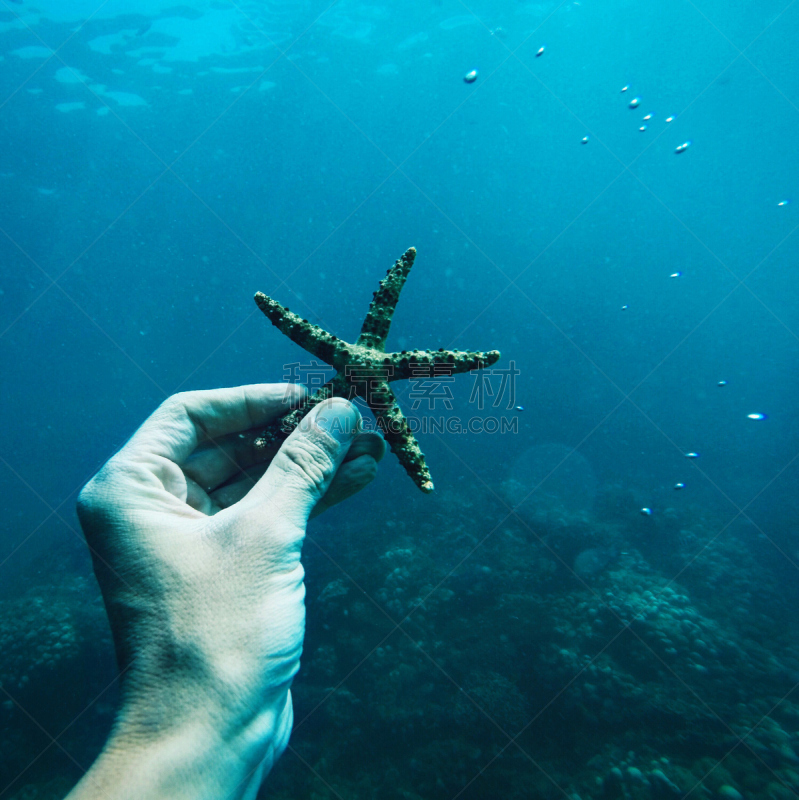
201 758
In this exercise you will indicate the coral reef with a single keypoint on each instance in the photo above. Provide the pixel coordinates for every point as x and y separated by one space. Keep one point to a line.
507 676
364 369
57 679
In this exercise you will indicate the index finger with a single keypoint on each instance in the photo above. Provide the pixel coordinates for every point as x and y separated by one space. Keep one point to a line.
187 419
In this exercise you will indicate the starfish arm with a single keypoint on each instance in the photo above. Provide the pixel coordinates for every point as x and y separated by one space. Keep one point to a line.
394 427
432 363
279 429
338 386
310 337
378 319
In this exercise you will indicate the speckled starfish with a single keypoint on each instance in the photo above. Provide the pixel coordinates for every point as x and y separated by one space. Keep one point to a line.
365 370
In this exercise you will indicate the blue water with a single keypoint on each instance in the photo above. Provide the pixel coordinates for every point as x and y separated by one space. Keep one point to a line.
162 162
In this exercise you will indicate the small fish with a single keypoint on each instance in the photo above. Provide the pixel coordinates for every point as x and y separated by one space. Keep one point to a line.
679 486
721 383
757 416
642 128
518 408
670 119
783 202
635 102
692 455
624 89
470 77
647 117
681 148
540 52
584 140
676 275
647 512
624 307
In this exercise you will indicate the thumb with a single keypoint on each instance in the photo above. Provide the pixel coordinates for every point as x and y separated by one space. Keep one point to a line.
306 463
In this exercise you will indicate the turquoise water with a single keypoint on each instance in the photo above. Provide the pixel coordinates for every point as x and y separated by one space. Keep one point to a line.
163 162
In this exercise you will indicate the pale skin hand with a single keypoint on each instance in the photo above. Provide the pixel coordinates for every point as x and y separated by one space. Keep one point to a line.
196 549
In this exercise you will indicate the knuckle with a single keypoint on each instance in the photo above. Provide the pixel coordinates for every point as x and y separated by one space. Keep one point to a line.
310 461
90 504
177 401
368 470
363 471
87 498
96 494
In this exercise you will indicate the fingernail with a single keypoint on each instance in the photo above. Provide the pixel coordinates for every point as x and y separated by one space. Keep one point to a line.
340 419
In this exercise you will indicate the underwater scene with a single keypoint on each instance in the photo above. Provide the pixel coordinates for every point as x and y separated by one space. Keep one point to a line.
575 575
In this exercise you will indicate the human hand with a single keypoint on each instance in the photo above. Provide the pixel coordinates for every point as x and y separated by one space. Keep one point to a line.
199 566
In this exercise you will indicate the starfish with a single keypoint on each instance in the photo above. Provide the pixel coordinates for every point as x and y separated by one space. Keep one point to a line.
364 369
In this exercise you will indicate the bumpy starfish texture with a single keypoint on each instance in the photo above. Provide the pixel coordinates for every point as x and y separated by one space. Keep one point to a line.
365 370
